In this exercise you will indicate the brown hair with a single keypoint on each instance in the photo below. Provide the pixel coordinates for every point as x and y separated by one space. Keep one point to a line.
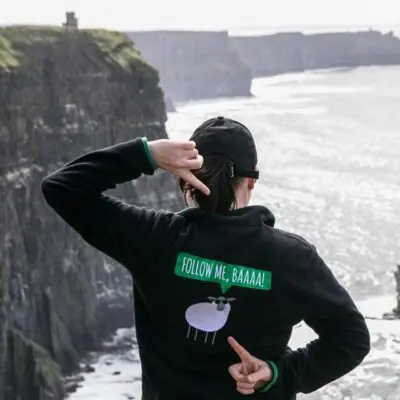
216 174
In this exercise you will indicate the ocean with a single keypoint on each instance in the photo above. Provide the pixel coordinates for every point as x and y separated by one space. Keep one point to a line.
329 160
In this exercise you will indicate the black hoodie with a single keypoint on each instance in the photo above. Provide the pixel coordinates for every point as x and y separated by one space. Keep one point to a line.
199 278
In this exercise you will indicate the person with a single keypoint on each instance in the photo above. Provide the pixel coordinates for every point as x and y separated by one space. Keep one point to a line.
217 288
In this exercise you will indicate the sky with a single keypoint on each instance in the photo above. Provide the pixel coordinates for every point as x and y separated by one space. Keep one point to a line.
203 14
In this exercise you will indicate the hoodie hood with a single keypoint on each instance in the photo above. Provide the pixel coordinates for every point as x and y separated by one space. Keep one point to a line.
245 216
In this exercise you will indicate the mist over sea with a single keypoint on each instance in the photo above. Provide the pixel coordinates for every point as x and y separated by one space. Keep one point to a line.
329 150
255 31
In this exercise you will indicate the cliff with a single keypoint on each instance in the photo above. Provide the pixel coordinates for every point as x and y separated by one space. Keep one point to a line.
295 52
396 311
194 65
61 94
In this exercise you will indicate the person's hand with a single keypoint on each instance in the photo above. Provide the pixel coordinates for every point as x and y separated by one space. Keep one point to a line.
179 158
250 373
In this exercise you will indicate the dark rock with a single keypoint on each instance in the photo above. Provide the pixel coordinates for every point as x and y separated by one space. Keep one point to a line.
169 105
30 371
390 316
396 311
72 388
119 346
73 383
88 368
117 373
195 65
63 93
296 52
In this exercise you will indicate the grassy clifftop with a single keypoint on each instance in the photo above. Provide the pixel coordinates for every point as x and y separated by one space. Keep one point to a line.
16 40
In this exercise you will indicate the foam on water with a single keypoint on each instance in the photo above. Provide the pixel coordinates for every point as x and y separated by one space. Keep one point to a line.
117 375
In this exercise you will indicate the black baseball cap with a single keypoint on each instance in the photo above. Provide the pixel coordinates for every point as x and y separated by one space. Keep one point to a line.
231 139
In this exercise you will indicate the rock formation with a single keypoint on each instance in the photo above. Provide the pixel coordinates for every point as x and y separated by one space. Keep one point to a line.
395 313
397 278
295 52
195 65
62 93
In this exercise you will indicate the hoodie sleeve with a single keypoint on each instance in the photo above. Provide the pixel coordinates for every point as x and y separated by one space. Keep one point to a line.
343 338
127 233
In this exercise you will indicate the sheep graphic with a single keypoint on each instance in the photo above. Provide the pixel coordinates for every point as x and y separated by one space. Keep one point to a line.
209 316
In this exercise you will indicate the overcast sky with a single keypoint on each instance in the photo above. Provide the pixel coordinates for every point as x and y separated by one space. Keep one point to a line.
202 14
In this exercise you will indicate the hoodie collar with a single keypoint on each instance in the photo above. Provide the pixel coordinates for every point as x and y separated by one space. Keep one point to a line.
245 216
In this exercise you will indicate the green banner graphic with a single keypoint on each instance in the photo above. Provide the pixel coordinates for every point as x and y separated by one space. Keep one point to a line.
227 275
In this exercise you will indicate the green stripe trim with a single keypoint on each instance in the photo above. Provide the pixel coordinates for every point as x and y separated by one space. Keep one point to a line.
148 153
275 375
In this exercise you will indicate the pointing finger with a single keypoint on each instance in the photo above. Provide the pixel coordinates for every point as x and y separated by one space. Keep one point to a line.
244 355
188 177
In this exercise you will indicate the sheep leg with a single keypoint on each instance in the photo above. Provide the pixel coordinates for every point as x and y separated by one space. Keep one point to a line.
195 335
188 332
215 334
205 339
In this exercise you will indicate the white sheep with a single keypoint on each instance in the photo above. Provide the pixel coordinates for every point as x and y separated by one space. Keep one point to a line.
208 317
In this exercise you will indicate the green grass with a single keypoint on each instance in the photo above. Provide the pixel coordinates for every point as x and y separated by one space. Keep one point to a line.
8 56
116 45
15 40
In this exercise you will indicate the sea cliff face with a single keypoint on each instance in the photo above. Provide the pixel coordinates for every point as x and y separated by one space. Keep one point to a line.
201 65
62 94
195 65
295 52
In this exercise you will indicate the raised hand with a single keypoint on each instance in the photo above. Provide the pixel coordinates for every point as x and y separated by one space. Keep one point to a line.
179 158
250 373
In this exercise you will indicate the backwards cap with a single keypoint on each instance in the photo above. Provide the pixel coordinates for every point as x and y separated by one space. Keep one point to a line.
231 139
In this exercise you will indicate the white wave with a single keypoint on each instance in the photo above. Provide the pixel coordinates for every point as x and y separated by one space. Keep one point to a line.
296 77
297 111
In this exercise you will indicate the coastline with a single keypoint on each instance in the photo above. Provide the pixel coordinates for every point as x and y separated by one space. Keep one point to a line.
206 65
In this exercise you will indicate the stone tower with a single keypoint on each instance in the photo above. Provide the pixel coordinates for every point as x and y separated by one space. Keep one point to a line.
71 22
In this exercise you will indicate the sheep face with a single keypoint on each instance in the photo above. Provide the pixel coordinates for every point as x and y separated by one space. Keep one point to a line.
221 301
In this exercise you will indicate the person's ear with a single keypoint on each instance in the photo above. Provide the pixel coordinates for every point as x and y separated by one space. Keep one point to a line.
251 183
